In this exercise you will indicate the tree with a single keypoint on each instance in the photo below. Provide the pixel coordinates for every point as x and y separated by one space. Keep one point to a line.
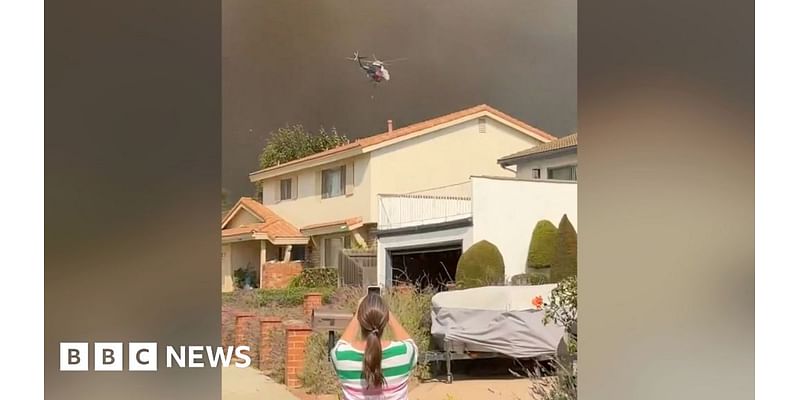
481 265
542 251
292 142
566 259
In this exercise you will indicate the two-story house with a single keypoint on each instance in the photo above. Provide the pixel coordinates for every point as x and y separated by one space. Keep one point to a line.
332 196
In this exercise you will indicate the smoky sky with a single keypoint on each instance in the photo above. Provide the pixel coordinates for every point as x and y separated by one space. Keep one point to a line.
284 62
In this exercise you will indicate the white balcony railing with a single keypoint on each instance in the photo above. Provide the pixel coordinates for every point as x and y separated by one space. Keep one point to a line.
443 204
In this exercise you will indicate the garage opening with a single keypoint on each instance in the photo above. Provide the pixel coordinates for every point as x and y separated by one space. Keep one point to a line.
433 266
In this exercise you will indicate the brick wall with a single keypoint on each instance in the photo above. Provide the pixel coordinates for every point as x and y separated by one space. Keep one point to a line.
242 330
310 302
278 275
296 340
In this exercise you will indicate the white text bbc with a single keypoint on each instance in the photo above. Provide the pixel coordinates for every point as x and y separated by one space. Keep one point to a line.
143 356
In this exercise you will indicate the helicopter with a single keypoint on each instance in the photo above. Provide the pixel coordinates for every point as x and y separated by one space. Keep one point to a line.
375 69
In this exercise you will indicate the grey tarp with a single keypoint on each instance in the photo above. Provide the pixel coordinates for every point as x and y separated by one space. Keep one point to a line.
500 319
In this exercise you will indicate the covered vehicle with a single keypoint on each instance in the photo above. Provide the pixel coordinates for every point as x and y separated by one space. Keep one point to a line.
507 320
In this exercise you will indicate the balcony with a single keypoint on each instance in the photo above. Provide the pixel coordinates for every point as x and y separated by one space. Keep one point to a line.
432 206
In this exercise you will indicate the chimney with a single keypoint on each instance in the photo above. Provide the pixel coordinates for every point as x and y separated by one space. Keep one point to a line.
389 124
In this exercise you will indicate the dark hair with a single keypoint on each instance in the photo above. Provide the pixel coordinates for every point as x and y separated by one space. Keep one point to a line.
373 315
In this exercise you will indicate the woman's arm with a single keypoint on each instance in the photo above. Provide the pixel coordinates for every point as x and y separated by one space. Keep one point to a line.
399 332
351 331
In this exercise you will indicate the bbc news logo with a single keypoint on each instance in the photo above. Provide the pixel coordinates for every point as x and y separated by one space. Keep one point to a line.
143 356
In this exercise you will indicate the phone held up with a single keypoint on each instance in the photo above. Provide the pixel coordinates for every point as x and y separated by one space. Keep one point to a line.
374 290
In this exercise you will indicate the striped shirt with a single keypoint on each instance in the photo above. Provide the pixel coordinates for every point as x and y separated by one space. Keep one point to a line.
399 359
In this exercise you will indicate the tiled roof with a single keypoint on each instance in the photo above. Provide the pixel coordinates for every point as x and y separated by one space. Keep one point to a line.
272 224
563 143
350 222
420 126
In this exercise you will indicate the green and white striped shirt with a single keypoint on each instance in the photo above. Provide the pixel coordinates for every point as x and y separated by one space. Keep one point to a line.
399 359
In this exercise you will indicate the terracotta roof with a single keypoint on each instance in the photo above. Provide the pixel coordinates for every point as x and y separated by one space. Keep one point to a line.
272 224
407 130
350 222
563 143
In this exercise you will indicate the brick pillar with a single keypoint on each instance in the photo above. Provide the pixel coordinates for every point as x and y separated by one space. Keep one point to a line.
242 329
296 340
268 325
310 302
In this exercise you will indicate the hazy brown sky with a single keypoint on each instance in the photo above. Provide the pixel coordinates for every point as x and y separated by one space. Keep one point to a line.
284 62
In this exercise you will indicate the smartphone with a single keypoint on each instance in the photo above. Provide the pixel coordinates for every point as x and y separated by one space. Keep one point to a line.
374 289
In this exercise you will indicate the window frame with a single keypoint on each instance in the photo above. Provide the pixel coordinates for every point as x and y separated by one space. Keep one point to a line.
280 189
573 174
536 173
342 182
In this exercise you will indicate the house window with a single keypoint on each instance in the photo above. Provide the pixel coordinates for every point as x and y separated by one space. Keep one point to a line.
286 189
298 253
537 173
333 182
566 173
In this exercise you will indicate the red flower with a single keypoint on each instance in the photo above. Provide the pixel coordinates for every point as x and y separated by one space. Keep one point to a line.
537 302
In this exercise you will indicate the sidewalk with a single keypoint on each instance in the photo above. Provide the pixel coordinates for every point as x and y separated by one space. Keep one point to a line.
250 384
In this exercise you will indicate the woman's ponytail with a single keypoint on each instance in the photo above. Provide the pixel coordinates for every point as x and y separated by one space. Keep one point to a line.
373 315
373 355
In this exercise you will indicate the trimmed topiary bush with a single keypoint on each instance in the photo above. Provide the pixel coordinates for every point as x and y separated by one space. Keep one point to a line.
566 260
481 265
542 251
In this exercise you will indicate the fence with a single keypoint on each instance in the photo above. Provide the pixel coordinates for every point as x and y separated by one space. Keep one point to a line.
358 267
443 204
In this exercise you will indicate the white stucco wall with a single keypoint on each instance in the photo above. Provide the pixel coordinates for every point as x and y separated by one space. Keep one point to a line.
505 211
448 156
426 239
242 218
227 269
310 208
525 167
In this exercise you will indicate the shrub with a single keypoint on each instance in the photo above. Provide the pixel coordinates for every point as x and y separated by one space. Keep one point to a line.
542 251
412 307
243 277
480 265
316 278
291 296
566 259
318 376
277 356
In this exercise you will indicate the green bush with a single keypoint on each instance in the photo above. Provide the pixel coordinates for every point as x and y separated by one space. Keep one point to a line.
316 278
245 276
542 251
291 296
566 260
481 265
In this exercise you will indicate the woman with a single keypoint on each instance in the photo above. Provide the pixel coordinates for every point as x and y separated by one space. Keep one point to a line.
368 365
